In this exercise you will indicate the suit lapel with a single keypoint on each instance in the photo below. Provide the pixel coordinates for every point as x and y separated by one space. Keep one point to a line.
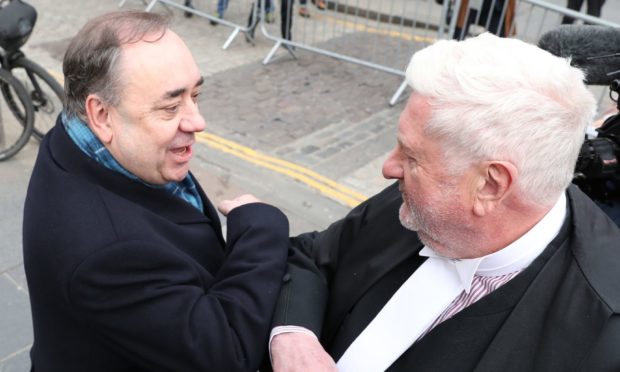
381 244
210 212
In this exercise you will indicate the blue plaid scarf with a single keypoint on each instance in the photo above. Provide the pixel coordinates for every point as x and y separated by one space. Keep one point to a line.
90 145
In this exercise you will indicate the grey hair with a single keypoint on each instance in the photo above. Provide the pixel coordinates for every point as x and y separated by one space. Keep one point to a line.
503 99
91 61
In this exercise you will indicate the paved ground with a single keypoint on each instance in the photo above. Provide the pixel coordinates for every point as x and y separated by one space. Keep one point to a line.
308 118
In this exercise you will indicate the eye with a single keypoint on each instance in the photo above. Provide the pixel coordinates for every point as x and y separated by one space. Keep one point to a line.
195 96
172 109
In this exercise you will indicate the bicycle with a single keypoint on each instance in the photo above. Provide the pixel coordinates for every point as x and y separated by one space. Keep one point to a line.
15 131
46 94
16 128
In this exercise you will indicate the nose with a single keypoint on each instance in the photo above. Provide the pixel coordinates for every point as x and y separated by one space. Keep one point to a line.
192 121
392 166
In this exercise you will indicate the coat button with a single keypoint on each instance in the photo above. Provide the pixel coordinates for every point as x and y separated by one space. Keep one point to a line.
286 278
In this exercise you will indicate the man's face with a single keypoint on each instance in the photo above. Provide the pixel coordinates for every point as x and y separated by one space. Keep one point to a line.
434 202
153 126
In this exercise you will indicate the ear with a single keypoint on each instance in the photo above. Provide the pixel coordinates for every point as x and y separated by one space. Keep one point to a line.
98 115
496 180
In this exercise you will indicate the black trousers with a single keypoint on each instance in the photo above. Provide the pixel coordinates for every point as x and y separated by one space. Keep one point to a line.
490 17
594 8
286 18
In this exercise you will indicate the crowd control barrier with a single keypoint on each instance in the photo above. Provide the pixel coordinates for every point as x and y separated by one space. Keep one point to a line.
240 15
526 20
381 34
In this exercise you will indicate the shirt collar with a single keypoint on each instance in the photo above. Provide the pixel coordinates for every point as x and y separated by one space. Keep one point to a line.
514 257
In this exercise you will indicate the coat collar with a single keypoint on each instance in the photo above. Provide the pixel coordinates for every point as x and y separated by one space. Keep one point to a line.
576 289
590 226
68 157
596 247
381 244
565 287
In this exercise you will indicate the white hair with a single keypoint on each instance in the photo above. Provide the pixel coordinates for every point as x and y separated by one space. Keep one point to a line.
503 99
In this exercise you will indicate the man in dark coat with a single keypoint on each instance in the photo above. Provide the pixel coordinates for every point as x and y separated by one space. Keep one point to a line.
481 257
126 264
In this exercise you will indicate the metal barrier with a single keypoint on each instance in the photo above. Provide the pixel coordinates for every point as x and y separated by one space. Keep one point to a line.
374 33
240 15
380 34
384 34
526 20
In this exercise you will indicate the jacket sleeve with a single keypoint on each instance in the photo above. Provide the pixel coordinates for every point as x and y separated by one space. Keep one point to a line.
150 303
314 259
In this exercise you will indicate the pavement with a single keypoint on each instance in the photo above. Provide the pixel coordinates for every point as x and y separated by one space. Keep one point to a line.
307 134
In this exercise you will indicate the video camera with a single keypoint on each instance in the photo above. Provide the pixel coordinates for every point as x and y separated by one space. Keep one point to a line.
597 171
594 49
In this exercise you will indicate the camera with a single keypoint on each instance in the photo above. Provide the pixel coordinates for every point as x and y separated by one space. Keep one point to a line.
597 171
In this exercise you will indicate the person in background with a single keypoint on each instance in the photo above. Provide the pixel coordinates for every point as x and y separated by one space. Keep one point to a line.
494 16
303 8
286 14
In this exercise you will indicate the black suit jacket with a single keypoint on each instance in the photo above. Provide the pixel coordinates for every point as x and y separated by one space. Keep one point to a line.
123 277
559 314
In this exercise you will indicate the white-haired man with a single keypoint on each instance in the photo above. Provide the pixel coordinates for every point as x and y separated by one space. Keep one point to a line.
509 267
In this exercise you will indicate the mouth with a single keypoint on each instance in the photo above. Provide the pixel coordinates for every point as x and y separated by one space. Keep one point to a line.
181 150
184 153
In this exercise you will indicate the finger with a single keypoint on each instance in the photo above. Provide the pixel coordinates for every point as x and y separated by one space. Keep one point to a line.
224 207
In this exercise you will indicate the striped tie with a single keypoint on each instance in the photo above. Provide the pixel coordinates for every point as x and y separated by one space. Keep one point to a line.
480 287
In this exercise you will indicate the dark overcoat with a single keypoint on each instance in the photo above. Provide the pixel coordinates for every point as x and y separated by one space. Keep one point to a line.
559 314
125 277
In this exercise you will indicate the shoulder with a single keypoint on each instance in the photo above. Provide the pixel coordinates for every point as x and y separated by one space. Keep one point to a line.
389 198
595 245
65 210
380 209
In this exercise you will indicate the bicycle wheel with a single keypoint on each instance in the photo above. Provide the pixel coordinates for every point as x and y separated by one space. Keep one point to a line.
46 93
16 116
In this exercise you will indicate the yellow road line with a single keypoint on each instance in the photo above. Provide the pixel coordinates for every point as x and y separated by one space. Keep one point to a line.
373 30
58 76
284 163
323 184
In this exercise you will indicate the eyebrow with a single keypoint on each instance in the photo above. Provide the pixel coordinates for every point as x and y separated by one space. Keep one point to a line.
177 92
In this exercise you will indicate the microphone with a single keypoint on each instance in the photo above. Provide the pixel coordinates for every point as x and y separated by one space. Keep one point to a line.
594 49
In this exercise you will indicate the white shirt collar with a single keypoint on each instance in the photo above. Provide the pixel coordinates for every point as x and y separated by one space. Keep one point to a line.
514 257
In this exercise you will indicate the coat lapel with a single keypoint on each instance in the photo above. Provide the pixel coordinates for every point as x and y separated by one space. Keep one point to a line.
557 312
381 243
173 208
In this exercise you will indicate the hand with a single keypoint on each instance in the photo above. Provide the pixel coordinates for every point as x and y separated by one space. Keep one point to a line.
295 351
226 206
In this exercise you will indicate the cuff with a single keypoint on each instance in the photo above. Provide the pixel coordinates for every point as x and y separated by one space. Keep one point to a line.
287 329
